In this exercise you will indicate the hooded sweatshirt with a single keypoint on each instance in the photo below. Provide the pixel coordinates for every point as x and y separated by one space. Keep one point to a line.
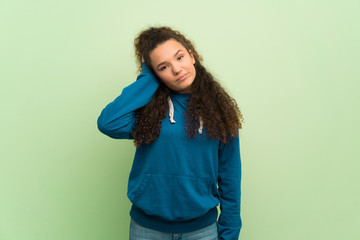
176 182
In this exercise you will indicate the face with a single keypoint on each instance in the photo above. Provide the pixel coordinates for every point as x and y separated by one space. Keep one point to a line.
174 65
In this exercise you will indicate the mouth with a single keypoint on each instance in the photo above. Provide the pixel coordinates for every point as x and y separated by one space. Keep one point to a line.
182 77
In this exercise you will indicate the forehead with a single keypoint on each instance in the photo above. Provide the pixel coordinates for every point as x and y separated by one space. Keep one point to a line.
166 50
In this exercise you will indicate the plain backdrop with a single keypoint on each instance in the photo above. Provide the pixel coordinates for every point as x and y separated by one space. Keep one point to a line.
292 66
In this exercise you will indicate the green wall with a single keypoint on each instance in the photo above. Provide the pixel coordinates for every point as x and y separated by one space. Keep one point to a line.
293 67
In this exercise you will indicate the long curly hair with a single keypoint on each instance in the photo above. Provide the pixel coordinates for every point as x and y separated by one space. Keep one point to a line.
209 101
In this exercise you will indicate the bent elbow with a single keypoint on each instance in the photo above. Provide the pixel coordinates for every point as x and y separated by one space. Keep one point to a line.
117 131
102 126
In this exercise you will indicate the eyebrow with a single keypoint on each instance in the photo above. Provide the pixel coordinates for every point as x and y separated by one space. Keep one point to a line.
165 62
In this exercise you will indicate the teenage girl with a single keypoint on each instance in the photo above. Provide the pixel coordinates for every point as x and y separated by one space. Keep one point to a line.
185 128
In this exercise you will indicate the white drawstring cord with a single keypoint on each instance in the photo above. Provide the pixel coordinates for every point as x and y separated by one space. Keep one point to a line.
171 110
201 125
171 116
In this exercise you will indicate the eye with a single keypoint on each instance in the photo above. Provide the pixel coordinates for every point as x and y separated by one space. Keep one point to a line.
163 68
180 57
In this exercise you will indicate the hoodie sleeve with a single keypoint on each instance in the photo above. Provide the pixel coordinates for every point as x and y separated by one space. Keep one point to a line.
117 119
229 181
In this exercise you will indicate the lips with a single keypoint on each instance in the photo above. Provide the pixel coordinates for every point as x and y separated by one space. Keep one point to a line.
182 77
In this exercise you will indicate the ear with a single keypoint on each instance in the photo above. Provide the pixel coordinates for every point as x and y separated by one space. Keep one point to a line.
192 56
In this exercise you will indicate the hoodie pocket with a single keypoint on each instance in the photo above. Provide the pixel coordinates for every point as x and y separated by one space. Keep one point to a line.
173 197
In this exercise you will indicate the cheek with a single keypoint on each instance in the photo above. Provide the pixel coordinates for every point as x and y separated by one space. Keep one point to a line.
193 70
164 77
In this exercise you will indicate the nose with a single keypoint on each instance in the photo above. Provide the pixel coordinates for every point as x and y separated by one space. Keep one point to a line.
176 69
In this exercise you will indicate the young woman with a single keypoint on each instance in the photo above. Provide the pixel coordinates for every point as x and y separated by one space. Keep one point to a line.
185 128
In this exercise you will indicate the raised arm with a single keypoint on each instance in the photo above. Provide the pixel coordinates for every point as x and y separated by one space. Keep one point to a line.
117 119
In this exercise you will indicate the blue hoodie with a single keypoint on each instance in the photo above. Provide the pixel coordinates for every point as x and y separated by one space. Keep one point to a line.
176 182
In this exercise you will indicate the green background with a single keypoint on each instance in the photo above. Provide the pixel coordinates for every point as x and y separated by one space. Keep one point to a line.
292 66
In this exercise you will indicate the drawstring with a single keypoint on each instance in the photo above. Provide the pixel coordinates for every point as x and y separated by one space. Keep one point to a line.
171 110
171 116
201 125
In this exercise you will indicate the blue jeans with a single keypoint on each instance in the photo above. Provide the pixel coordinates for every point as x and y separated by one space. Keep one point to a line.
138 232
